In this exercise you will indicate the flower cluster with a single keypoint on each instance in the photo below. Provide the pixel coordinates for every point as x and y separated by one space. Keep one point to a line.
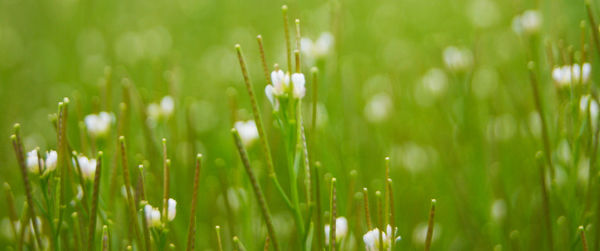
87 165
284 86
568 74
33 162
153 216
98 125
247 130
529 22
162 110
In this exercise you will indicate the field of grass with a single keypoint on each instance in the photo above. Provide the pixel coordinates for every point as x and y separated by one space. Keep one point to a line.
245 125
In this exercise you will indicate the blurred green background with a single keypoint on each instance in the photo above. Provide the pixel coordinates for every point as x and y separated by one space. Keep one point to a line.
185 48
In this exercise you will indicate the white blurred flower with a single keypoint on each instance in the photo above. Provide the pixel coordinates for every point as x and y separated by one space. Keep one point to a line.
420 233
98 125
32 162
529 22
372 241
584 102
51 159
567 74
457 59
299 88
341 230
162 110
247 130
498 210
378 108
483 13
88 166
167 106
152 216
317 49
171 209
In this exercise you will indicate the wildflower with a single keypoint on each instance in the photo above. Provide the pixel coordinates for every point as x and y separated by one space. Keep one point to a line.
567 74
529 22
457 59
281 85
152 216
33 163
299 81
317 49
167 106
171 209
420 233
98 125
498 210
593 109
378 108
341 229
88 166
162 110
372 242
51 159
247 130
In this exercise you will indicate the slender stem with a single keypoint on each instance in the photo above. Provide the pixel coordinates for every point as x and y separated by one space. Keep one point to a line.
593 25
430 225
584 243
392 220
318 214
380 218
256 188
286 29
142 192
538 106
219 243
77 239
237 244
18 147
366 205
259 126
192 229
12 212
332 219
166 165
545 199
263 59
104 238
92 222
130 200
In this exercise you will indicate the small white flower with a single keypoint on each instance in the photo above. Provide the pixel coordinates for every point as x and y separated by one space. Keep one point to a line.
594 110
98 125
167 106
567 74
33 164
319 48
154 111
247 130
171 209
280 81
152 216
51 159
457 59
270 97
498 210
88 167
299 82
378 108
341 229
372 242
529 22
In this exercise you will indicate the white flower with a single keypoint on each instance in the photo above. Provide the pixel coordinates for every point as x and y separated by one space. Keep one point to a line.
152 216
457 59
171 209
341 229
154 111
371 239
33 164
378 108
247 130
167 106
280 81
272 99
529 22
88 166
593 109
51 159
567 74
498 210
319 48
299 82
98 125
